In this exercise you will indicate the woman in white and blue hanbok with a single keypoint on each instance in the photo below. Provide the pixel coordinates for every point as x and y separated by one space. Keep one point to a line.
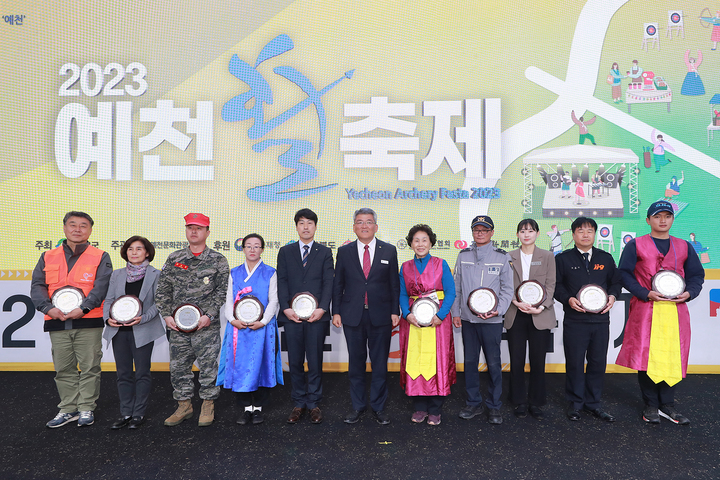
250 358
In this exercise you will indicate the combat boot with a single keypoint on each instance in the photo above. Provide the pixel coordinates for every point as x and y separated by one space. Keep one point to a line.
207 413
183 412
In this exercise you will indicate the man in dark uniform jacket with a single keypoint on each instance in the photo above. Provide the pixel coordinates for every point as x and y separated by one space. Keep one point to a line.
585 333
366 301
305 266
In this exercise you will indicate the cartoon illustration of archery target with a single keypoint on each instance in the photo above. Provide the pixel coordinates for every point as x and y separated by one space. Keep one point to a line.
651 30
651 35
675 23
625 237
604 237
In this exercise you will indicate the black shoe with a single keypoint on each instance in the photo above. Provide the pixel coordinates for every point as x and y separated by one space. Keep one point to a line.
121 423
521 410
573 413
669 412
470 411
650 414
135 422
257 417
600 413
245 418
382 417
536 412
494 416
354 416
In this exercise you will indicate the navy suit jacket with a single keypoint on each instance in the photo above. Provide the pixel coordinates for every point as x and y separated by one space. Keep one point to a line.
316 277
382 285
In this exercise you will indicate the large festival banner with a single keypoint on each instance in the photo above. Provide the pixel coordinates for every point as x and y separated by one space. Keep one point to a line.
427 112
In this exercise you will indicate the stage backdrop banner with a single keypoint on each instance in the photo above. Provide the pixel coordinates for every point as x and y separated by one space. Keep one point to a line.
249 111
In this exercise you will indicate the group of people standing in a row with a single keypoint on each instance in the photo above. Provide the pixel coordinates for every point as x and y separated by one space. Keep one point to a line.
370 296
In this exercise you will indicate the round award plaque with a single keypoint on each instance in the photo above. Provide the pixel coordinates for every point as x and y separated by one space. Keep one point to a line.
304 304
531 292
669 284
593 298
67 299
187 317
125 308
248 309
482 300
424 310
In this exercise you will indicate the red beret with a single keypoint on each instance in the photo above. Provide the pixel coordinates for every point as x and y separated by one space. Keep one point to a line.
197 219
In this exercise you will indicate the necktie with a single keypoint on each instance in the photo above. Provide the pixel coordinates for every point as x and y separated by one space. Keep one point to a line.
366 267
305 255
586 256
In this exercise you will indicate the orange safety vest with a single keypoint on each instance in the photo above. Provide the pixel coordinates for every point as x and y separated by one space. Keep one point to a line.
82 275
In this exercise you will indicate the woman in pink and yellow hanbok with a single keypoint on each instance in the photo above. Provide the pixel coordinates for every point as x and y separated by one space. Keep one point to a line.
427 367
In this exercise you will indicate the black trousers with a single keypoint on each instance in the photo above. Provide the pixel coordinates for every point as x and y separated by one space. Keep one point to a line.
306 340
655 394
521 333
258 398
361 339
133 387
431 404
583 386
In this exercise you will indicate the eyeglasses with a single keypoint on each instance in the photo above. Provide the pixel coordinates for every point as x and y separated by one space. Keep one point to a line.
369 223
482 232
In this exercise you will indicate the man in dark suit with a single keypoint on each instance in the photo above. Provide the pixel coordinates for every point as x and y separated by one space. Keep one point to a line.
305 266
366 301
585 334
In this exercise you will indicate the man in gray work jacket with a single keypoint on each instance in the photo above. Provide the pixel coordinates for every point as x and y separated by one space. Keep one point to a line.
482 265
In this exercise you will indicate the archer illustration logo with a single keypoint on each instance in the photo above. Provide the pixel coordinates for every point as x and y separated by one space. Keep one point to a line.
251 106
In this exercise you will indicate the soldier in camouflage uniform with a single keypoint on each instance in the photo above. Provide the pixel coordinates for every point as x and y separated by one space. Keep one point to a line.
482 265
197 275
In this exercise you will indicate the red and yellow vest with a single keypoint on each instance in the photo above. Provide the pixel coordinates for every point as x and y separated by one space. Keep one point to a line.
82 275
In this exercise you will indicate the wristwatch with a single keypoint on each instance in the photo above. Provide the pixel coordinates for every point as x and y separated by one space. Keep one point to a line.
85 310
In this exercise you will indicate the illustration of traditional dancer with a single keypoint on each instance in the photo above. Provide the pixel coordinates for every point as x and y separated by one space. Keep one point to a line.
555 235
659 147
692 85
673 188
615 81
582 126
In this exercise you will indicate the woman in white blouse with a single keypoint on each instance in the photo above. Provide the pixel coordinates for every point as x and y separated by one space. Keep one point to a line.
530 325
250 358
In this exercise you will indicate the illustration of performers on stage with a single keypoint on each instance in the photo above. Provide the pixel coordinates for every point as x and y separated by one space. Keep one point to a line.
583 180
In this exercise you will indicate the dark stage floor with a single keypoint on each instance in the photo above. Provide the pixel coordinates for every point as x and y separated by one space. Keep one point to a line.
519 449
